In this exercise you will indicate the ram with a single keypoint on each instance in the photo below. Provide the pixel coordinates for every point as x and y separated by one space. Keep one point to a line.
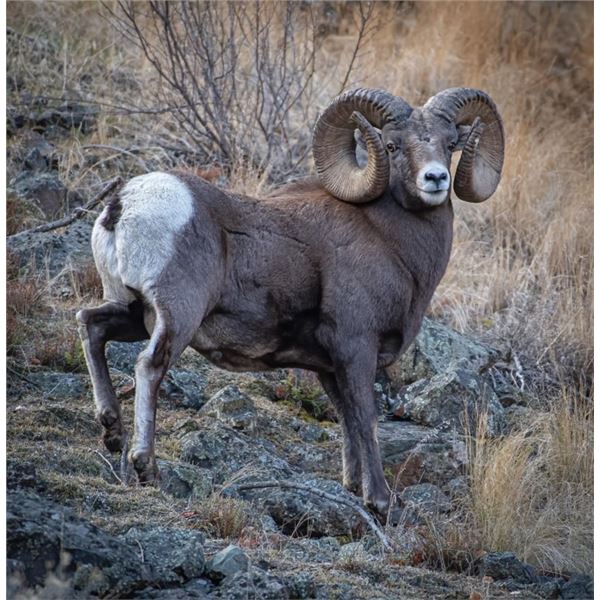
332 275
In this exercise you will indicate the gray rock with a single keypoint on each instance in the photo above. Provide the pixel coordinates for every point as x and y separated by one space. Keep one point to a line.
505 565
453 399
579 587
435 348
305 513
186 388
227 563
225 451
301 586
173 555
233 407
69 115
39 154
184 480
416 454
122 355
59 386
312 433
47 191
196 588
426 499
458 487
310 550
21 474
43 536
253 584
55 249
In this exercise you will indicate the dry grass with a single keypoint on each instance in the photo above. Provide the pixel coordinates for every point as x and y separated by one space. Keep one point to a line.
222 517
532 491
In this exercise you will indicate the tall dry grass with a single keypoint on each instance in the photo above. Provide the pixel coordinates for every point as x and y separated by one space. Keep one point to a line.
532 491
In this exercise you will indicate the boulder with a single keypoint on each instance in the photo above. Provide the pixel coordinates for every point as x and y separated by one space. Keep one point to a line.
45 537
59 386
415 454
306 513
578 587
227 563
232 407
505 565
254 584
435 348
54 249
225 451
186 388
425 499
47 191
173 555
454 399
183 480
69 115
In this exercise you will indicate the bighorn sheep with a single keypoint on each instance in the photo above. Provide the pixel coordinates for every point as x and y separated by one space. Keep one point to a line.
332 277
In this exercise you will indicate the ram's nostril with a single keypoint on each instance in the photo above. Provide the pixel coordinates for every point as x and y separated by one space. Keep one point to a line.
436 176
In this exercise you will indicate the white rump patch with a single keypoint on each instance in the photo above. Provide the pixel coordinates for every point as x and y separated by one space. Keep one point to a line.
155 208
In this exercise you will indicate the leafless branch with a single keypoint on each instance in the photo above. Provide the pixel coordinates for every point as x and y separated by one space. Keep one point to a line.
109 466
365 16
79 212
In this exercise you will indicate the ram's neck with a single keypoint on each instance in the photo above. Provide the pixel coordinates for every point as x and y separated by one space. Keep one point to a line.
421 240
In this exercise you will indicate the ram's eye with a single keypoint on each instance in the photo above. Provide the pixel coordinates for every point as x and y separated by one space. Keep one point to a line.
452 145
391 147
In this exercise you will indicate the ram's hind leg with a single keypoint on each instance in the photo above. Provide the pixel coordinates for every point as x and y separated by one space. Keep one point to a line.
174 327
111 321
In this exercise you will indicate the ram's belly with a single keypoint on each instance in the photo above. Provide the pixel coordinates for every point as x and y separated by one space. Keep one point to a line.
240 342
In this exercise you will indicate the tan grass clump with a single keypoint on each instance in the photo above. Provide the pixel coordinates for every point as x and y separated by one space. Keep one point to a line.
532 491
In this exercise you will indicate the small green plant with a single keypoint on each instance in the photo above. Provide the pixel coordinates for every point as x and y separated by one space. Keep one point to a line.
302 390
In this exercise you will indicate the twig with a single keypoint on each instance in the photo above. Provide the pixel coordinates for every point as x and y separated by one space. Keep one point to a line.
79 212
140 161
141 551
109 466
124 467
385 541
364 19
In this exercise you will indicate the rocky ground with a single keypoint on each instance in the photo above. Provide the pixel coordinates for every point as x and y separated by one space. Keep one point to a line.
250 503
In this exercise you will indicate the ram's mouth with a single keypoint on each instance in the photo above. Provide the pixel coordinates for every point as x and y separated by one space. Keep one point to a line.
433 198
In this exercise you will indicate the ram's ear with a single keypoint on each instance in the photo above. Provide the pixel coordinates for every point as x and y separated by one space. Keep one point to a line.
362 154
464 131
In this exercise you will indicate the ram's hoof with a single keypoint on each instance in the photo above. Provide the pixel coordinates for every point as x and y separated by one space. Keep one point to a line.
145 466
378 505
354 487
114 434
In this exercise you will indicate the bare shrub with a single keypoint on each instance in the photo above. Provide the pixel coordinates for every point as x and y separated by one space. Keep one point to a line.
239 77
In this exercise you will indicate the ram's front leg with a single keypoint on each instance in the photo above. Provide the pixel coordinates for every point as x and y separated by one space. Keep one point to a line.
351 457
355 376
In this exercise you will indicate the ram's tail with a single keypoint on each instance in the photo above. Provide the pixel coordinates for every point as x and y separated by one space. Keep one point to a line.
112 212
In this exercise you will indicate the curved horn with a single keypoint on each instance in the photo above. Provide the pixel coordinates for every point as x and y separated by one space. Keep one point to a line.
334 143
478 172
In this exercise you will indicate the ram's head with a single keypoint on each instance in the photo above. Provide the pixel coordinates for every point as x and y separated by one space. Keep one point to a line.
409 150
